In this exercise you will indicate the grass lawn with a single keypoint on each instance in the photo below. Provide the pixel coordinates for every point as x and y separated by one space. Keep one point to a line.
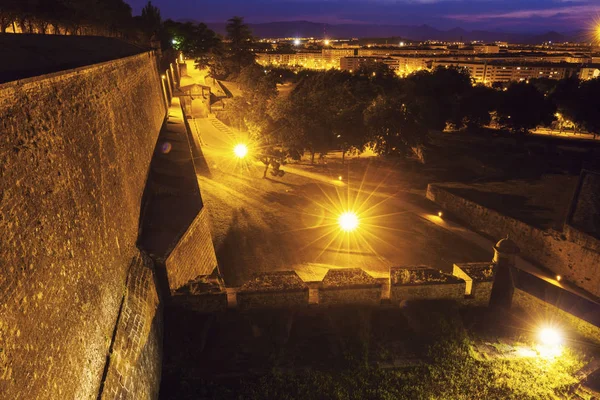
424 350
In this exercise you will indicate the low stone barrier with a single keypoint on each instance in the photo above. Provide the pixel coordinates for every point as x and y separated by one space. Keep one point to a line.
203 296
574 259
424 283
202 303
349 286
278 289
548 313
479 279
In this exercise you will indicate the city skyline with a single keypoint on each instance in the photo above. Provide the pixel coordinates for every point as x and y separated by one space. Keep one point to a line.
495 15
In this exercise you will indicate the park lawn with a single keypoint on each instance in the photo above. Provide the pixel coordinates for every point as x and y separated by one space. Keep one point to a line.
426 350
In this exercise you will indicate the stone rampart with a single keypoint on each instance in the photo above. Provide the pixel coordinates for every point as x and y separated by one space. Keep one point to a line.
423 283
75 149
479 278
193 255
349 286
351 295
576 261
543 313
280 289
134 362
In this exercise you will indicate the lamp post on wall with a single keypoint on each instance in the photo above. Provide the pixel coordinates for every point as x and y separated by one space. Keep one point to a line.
163 80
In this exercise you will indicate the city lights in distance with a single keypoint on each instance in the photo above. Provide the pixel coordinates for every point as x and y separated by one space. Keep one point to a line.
348 221
326 42
296 42
240 150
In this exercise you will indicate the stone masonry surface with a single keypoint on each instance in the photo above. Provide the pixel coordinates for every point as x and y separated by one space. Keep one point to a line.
135 360
194 255
75 149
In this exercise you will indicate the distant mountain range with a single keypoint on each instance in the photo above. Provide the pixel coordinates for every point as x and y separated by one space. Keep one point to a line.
421 32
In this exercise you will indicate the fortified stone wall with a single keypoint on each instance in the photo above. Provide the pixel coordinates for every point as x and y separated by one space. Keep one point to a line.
134 361
574 261
194 255
75 149
545 312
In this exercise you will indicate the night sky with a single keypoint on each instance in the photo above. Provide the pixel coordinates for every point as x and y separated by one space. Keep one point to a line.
501 15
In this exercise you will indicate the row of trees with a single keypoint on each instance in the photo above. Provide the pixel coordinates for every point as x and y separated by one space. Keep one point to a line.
103 17
373 107
224 58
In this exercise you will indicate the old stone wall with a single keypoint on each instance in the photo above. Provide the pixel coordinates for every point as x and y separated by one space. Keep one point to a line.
574 262
272 299
134 362
425 291
366 295
540 312
194 254
201 303
75 149
479 279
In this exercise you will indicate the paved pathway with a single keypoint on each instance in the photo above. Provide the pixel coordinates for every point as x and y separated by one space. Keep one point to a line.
411 232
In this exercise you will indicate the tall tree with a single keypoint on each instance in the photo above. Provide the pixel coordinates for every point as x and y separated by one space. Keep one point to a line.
239 43
522 107
437 94
394 128
565 96
589 106
475 107
151 19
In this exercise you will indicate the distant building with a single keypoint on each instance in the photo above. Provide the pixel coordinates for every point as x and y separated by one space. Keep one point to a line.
486 49
589 72
486 63
354 63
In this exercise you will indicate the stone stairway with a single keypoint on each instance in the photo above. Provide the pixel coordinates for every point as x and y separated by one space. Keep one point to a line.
221 127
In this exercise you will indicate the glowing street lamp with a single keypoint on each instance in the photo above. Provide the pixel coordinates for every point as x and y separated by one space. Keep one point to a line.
550 341
297 42
550 337
348 221
240 150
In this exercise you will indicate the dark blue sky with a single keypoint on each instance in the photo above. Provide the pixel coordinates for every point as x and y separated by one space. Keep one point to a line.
505 15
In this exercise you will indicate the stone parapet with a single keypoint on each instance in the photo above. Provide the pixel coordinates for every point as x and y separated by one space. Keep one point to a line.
423 283
479 278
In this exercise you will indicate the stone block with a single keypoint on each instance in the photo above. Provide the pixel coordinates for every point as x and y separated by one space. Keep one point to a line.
280 289
424 283
479 279
349 286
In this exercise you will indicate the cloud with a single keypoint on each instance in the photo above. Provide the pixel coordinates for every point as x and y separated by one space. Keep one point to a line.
571 12
520 15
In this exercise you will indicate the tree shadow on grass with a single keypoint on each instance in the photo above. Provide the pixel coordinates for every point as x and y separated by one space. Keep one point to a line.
249 248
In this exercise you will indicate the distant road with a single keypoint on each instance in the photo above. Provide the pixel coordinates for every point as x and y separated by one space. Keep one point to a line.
563 134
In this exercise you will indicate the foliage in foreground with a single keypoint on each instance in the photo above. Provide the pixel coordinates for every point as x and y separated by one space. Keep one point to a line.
453 373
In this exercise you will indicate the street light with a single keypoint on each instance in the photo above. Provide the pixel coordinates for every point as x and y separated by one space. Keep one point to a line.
550 337
550 341
240 150
348 221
